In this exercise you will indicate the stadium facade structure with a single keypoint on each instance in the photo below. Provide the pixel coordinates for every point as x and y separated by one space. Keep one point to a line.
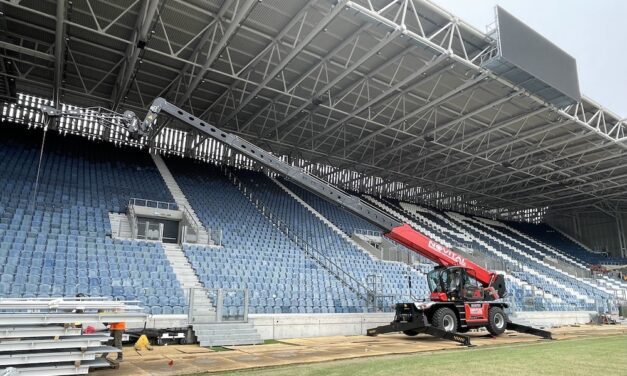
395 99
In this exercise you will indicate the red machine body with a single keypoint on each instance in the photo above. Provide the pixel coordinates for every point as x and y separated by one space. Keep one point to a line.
437 253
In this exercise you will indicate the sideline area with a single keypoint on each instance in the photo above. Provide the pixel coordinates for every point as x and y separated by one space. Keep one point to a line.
192 359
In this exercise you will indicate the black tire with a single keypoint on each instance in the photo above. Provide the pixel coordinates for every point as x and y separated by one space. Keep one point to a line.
445 319
497 321
410 333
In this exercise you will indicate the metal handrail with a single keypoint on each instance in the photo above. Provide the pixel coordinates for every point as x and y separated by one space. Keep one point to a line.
193 221
361 231
217 305
157 204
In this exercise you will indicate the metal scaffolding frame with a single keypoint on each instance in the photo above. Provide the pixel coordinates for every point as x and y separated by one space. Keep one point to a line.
385 97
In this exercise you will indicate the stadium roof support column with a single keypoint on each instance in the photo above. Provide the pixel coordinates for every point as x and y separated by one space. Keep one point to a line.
59 50
293 53
140 33
216 50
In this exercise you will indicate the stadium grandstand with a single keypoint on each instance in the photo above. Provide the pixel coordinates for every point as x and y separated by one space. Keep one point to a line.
429 120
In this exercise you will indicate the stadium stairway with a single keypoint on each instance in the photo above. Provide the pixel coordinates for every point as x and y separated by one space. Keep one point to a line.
183 270
204 309
179 196
120 226
203 313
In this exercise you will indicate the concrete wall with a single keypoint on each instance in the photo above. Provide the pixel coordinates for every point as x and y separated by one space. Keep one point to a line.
279 326
144 211
302 325
554 319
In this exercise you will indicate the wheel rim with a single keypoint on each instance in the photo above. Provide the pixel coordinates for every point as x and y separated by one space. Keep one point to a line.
448 323
499 321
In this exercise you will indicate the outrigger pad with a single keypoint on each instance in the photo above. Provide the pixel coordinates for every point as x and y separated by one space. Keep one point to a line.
427 329
529 330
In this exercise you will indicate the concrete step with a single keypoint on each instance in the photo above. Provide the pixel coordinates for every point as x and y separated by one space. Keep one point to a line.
225 334
231 342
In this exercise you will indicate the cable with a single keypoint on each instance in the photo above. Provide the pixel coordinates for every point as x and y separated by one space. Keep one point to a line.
41 154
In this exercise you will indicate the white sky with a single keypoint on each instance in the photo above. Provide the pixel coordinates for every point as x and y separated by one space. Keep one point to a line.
594 32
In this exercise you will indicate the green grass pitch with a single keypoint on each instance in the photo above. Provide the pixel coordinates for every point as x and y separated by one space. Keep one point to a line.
589 356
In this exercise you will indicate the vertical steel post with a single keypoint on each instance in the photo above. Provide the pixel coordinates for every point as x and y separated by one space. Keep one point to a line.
190 306
245 305
219 305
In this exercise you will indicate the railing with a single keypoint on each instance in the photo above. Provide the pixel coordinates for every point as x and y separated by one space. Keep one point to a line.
396 252
360 231
215 237
152 203
348 280
217 305
132 220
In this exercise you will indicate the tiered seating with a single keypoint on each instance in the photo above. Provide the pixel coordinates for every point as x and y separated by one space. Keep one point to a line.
255 254
550 236
344 220
322 238
526 261
348 222
56 243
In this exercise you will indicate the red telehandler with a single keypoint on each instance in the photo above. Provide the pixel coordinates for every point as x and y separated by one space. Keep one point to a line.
463 294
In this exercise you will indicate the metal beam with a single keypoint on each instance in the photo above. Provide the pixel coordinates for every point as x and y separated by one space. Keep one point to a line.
320 93
27 51
392 149
59 52
533 150
534 132
303 76
143 21
571 203
417 73
216 50
562 170
458 90
290 56
591 182
200 42
252 64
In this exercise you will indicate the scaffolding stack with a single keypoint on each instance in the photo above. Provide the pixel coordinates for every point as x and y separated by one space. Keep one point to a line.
50 336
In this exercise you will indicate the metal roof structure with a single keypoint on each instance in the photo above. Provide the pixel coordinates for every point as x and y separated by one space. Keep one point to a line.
379 96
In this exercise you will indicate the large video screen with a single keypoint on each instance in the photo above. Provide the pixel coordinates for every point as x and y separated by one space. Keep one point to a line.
531 52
